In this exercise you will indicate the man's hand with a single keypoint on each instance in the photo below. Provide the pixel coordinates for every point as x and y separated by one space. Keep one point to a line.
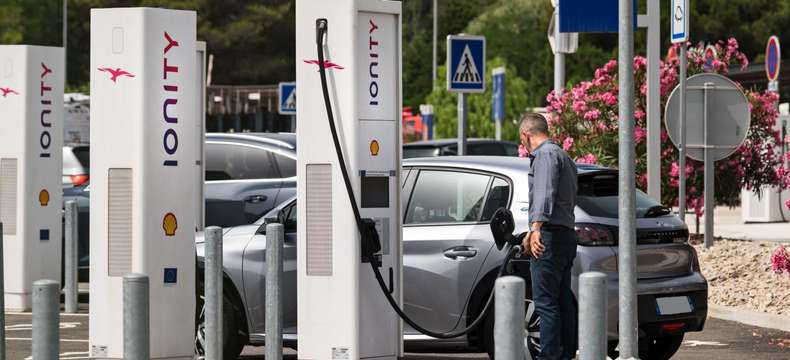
536 244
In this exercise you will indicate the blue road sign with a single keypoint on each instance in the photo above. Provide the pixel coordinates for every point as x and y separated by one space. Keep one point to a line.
585 16
498 96
287 105
466 63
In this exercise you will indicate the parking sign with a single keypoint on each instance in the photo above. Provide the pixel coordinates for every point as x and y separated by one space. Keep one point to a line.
466 66
287 96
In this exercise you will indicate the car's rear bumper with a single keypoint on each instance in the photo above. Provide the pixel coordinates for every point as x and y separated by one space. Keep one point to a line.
650 322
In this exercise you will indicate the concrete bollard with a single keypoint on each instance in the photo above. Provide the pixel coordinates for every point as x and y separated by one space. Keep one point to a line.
592 316
70 266
213 293
509 318
136 332
274 295
46 308
2 298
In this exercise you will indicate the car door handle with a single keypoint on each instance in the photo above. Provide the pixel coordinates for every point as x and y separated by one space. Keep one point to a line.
255 199
460 253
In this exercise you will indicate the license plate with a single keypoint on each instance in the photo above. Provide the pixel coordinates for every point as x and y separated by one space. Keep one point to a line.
674 305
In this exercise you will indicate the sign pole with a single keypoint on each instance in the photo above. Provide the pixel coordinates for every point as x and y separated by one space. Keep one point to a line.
709 171
461 124
627 191
559 59
682 145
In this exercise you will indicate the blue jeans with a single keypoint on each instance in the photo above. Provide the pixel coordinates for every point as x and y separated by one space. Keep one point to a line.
551 292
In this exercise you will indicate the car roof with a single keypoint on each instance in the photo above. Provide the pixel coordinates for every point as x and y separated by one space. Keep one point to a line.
284 140
497 164
453 141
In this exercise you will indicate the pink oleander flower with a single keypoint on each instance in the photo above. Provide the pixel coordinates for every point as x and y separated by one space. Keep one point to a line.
567 143
579 106
608 98
779 261
522 151
639 134
587 159
592 115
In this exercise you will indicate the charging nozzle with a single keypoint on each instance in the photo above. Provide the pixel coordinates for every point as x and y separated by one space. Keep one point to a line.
321 26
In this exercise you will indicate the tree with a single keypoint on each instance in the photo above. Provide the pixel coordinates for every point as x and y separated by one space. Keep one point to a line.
479 106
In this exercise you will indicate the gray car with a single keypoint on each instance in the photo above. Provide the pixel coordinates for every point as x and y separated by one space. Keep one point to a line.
450 261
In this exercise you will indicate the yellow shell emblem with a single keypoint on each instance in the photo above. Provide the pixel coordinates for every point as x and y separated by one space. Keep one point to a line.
170 224
374 148
43 197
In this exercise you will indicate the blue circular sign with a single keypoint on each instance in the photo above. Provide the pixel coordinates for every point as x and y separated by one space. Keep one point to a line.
773 59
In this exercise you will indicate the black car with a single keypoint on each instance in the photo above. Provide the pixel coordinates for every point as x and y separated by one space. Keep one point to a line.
447 147
247 175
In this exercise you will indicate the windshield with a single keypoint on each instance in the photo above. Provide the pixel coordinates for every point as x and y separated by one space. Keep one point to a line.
597 196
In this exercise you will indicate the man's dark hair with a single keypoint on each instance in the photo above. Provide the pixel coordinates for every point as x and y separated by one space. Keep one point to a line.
534 123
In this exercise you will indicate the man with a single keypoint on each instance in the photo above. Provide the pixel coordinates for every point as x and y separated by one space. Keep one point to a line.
552 241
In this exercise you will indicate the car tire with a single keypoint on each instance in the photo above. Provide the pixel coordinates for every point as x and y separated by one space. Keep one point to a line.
660 348
531 330
233 339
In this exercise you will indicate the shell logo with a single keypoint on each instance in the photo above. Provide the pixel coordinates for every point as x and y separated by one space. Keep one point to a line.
170 224
43 197
374 148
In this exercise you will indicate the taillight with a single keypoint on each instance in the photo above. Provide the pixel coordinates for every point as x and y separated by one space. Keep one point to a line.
78 180
673 327
594 235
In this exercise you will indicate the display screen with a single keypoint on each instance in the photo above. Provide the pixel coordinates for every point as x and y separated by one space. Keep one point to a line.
375 192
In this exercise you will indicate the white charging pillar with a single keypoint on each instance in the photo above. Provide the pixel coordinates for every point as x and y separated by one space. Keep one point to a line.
343 313
31 167
143 152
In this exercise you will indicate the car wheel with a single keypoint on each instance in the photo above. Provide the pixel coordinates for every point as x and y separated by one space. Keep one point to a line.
232 342
660 348
531 331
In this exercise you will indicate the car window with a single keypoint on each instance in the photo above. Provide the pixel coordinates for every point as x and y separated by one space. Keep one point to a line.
498 197
238 162
485 149
446 197
511 149
597 196
419 151
76 160
290 222
287 165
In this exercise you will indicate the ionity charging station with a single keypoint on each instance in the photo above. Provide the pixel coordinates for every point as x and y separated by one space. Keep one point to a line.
143 155
31 163
343 313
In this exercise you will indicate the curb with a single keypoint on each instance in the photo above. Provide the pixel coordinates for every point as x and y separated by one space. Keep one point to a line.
749 317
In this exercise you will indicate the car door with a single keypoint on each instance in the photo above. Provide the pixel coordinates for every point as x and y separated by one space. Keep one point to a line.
445 241
255 276
242 183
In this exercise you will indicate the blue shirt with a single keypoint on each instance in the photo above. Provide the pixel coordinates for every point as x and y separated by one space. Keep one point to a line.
552 186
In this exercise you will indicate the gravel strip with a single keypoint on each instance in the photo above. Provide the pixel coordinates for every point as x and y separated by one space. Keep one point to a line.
739 275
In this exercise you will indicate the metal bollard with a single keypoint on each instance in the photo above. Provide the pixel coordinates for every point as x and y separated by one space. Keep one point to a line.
70 287
136 335
274 295
213 293
592 316
46 308
2 298
509 318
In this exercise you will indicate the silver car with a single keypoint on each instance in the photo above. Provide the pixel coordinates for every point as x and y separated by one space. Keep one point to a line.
450 261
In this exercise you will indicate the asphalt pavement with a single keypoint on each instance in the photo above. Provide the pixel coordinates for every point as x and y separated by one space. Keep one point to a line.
720 340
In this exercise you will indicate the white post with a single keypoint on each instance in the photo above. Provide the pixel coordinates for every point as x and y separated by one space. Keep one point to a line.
653 99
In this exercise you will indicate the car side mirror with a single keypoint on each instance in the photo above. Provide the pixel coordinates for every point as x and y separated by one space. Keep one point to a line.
502 227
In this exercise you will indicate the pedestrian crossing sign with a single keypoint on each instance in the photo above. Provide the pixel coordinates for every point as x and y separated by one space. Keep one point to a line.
287 97
466 63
